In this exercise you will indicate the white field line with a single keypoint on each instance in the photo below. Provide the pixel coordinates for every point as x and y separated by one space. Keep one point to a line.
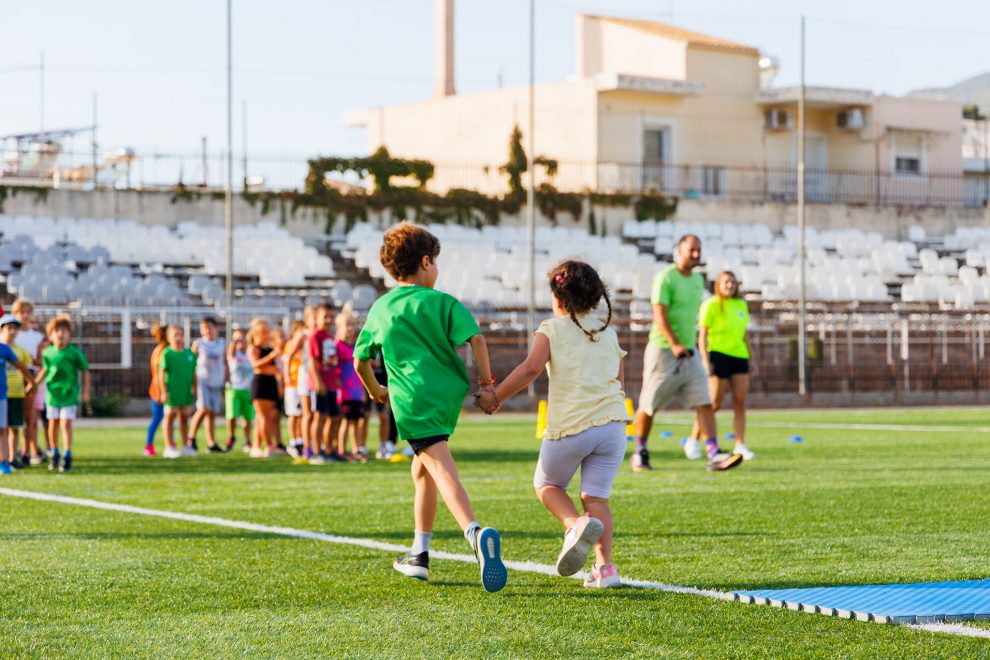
524 566
870 427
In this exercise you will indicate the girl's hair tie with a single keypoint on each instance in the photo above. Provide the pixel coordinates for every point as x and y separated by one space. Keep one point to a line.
559 277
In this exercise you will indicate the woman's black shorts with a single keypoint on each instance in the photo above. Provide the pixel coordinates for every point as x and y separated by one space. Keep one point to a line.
726 366
264 387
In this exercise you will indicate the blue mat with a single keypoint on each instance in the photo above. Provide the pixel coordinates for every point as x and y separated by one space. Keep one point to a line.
925 602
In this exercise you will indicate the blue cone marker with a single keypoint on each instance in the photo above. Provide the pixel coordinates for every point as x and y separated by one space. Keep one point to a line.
796 438
666 434
731 436
683 441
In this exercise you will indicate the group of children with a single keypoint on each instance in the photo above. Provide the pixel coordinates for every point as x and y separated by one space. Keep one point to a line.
308 376
41 384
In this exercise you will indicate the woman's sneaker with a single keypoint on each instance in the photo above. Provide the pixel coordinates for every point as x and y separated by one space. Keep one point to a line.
488 550
171 452
577 543
603 577
744 451
414 566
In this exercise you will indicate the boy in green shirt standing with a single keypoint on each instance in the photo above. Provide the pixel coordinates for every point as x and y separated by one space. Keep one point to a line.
61 364
177 385
417 330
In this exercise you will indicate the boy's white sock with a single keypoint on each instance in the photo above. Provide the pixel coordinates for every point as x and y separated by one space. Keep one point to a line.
471 531
421 542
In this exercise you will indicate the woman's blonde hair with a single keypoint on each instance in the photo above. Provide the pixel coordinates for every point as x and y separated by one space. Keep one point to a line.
718 293
254 330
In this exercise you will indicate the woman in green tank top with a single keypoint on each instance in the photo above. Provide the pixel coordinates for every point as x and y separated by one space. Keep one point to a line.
725 351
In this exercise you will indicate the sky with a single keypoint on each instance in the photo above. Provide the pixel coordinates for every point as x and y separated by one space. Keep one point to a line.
300 65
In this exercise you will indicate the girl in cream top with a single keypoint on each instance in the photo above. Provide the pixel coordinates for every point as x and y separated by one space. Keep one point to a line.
586 416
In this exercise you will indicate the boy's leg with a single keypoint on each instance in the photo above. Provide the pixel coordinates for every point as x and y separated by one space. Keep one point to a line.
194 424
425 503
209 420
333 441
440 465
169 426
66 435
184 421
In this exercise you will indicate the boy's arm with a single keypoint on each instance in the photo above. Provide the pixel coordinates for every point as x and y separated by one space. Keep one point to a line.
375 389
162 391
479 348
525 373
314 374
40 378
28 378
85 387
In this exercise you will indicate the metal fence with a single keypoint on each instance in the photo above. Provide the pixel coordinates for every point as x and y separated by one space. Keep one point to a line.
884 352
750 183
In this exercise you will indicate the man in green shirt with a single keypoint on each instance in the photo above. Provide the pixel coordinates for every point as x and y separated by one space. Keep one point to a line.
418 330
671 364
177 385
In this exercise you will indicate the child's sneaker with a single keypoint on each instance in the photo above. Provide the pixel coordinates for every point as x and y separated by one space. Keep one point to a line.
640 461
744 451
722 461
53 464
603 577
37 460
258 453
18 464
66 463
577 542
214 449
692 449
149 450
414 566
488 551
230 444
5 468
316 459
293 451
189 450
171 452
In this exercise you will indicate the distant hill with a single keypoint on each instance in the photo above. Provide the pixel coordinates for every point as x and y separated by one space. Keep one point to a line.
972 90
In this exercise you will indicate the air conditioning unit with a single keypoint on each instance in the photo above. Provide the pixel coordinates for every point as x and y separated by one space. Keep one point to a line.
850 120
777 119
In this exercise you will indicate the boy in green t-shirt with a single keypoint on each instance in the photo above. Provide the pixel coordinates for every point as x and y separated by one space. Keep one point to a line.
61 364
177 385
418 329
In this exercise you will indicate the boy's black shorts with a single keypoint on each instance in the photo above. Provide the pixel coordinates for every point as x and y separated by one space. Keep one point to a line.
326 404
352 410
423 443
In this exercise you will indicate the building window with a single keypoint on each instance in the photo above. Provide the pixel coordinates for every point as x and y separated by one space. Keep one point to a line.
909 152
713 183
904 165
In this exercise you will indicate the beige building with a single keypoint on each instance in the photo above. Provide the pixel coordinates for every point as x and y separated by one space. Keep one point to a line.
653 106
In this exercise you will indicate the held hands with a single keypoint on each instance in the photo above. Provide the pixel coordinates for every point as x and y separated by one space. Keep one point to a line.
486 400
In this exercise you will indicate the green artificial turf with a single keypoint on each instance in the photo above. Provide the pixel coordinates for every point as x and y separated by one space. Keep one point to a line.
842 507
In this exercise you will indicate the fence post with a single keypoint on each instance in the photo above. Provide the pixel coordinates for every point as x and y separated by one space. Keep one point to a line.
905 354
126 355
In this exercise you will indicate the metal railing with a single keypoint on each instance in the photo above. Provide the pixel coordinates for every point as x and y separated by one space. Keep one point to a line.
715 181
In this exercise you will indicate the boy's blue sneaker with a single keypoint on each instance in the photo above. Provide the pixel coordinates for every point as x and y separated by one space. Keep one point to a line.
5 468
55 462
66 463
488 550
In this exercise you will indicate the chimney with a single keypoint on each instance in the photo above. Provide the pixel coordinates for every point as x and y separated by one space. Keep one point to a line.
444 48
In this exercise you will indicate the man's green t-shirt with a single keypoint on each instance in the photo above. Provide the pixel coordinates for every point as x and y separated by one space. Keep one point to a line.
417 330
726 323
682 296
180 372
62 368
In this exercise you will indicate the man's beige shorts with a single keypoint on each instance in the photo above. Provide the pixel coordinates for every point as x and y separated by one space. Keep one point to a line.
665 376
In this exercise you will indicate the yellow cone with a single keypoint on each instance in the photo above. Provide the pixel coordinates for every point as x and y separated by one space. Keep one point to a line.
630 428
541 419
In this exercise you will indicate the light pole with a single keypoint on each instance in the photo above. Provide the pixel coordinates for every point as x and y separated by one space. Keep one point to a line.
802 313
228 202
531 190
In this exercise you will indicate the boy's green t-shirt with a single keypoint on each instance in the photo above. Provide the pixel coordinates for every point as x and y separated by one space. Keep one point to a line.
682 296
180 373
726 324
417 330
62 368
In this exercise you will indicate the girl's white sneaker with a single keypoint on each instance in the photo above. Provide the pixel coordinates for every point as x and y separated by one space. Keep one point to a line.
577 543
603 577
744 451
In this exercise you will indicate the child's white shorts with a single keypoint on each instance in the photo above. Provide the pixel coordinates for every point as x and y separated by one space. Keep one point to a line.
598 451
68 412
293 402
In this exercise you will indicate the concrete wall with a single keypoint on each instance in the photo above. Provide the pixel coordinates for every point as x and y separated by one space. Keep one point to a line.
609 46
156 209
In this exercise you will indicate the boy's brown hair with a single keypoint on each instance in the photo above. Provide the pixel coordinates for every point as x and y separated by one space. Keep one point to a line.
57 323
22 305
403 249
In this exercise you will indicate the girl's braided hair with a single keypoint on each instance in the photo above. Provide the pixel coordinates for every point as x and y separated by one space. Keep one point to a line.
579 289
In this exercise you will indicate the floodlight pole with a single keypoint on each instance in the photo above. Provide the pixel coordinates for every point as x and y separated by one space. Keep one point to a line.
41 91
531 191
802 311
228 202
